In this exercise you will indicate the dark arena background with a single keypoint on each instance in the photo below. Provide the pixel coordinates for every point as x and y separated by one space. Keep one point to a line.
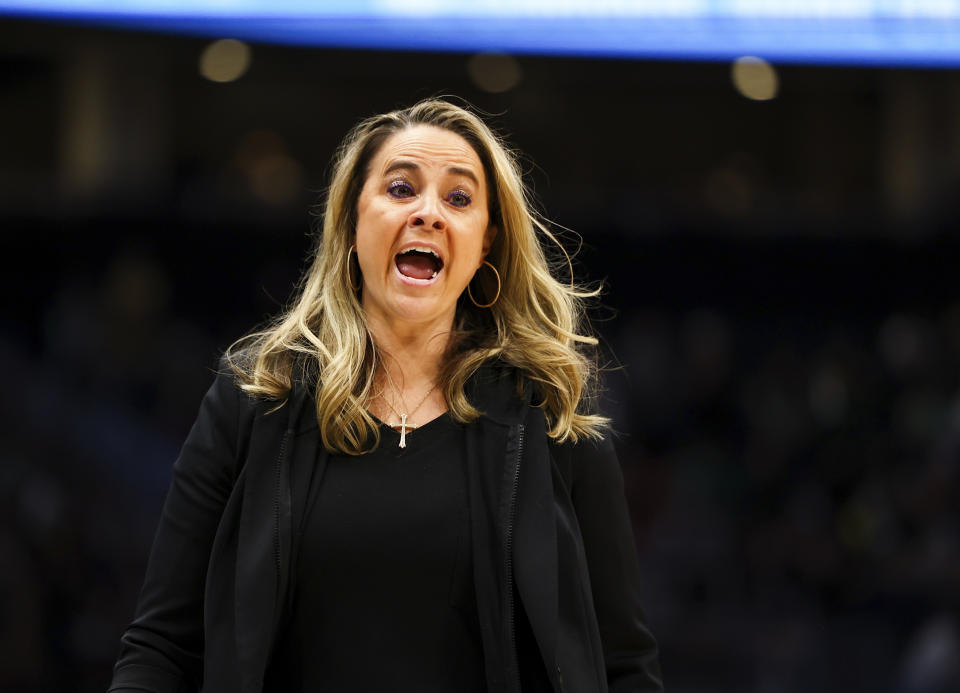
780 248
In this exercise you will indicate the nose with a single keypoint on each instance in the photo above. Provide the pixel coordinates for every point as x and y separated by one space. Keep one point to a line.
428 215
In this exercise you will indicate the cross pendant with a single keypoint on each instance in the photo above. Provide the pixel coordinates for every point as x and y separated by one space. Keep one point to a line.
403 430
404 427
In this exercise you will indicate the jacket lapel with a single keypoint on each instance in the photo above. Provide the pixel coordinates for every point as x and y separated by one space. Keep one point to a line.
535 545
258 557
492 454
264 537
485 443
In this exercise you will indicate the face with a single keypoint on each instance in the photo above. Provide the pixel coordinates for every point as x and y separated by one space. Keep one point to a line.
423 227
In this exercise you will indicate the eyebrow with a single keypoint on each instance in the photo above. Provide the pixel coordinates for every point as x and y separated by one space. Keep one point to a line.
404 165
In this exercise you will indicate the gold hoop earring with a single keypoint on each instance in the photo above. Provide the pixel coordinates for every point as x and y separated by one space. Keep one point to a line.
350 252
495 298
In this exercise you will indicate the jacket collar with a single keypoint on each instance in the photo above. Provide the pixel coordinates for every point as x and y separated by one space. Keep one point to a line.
497 390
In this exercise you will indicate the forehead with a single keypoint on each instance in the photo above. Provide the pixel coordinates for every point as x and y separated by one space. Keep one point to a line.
428 146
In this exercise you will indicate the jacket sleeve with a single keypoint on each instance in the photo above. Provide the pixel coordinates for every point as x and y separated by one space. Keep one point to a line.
597 490
162 649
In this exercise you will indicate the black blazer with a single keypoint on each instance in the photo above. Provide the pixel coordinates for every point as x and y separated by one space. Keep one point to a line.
554 553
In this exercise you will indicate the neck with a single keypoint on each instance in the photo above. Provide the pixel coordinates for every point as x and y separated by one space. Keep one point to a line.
407 377
414 354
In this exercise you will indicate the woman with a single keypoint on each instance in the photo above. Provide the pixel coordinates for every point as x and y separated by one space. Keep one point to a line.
398 486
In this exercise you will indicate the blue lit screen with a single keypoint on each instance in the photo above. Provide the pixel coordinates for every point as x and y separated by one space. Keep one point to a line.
872 32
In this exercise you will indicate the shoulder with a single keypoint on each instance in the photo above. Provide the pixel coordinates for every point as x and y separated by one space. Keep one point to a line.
226 393
228 388
224 409
228 413
509 393
588 462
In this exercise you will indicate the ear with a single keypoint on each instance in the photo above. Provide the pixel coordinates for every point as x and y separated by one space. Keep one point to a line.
488 237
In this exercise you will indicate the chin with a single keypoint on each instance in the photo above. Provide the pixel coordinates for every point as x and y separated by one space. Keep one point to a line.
416 309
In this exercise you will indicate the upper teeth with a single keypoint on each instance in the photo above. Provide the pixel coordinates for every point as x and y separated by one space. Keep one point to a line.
421 249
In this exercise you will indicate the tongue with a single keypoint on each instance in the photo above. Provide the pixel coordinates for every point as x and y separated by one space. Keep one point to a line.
416 266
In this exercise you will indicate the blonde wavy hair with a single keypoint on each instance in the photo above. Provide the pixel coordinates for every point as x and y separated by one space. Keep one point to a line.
536 325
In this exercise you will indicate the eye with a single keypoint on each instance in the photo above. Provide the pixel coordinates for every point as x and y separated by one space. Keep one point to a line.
458 198
401 189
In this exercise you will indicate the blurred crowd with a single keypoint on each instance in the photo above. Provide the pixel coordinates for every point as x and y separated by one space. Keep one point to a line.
793 480
795 486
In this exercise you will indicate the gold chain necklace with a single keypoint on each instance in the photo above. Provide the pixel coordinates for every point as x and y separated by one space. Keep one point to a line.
404 426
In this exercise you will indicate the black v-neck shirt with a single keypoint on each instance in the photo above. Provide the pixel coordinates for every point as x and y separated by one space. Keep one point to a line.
384 595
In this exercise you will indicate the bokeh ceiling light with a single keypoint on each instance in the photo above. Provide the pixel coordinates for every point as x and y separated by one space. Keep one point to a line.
494 72
276 179
225 60
273 175
755 78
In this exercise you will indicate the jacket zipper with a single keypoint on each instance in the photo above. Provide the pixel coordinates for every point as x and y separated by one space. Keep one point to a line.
508 587
276 500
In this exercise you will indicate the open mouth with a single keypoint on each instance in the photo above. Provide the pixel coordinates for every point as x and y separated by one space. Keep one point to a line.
419 263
